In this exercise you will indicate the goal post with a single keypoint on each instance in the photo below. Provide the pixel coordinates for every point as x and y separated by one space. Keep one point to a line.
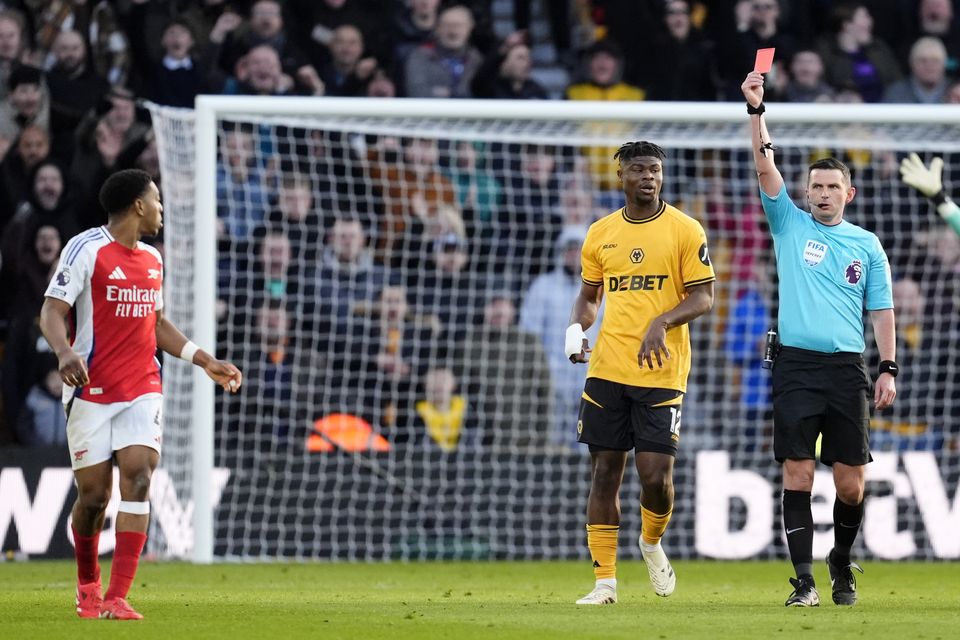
420 502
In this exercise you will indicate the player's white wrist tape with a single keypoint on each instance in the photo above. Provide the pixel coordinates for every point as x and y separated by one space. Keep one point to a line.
136 508
573 344
188 351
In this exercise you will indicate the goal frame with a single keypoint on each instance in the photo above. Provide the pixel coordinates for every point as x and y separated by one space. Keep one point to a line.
211 108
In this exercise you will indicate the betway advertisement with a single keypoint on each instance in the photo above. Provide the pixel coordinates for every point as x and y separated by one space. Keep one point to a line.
723 510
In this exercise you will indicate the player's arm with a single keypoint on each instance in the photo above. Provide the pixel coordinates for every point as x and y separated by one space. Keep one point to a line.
767 173
885 389
699 300
929 182
582 317
171 340
53 324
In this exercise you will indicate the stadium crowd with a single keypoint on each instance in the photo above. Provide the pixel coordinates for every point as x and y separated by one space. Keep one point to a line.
445 266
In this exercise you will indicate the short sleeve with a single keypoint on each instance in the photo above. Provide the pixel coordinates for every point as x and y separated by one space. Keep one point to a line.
779 210
879 281
590 268
695 264
73 272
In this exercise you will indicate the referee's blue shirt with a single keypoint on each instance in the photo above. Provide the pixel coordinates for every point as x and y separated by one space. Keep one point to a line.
826 273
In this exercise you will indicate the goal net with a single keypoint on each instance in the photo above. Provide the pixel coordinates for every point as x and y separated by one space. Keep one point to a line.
394 278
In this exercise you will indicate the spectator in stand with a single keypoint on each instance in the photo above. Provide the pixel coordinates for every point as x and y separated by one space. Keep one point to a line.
47 205
505 75
280 373
182 72
259 74
108 55
32 146
505 370
441 417
381 86
531 218
477 187
449 289
928 82
265 28
853 57
412 187
952 95
242 189
313 23
108 139
690 74
445 68
28 103
392 346
42 421
544 313
11 46
75 86
604 64
36 266
413 25
937 19
348 276
348 72
806 83
48 202
297 216
737 50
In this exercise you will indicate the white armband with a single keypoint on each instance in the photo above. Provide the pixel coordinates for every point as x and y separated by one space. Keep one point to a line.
189 350
573 344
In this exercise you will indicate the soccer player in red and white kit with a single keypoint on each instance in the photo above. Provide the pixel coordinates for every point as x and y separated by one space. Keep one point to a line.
107 287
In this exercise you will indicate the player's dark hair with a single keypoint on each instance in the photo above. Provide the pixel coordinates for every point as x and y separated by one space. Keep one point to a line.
831 164
641 148
122 189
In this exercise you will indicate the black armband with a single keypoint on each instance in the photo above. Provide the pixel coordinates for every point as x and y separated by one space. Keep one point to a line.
889 366
755 111
938 198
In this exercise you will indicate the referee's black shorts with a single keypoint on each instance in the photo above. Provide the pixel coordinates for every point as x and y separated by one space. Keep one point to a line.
821 393
621 417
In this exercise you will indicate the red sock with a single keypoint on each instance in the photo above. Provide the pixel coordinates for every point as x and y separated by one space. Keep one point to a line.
86 550
125 559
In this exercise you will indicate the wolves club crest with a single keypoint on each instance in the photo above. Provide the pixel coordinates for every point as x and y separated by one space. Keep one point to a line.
854 272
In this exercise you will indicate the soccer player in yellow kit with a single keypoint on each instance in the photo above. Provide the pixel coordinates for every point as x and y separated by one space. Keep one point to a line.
651 261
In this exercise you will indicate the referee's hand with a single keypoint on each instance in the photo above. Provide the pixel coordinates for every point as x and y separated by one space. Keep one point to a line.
884 391
654 343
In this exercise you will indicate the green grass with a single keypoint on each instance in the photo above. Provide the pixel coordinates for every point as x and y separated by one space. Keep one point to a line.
481 600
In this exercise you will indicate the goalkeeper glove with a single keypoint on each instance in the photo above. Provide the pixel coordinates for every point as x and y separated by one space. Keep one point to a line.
573 344
926 181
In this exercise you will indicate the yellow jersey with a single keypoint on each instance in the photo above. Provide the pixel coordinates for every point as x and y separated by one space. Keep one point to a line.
644 267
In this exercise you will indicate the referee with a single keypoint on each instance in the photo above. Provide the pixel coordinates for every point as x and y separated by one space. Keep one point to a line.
829 271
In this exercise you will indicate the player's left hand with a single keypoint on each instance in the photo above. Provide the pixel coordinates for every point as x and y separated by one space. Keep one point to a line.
884 392
653 344
225 374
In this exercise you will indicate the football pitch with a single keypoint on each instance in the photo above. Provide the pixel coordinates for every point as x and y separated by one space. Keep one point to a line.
460 600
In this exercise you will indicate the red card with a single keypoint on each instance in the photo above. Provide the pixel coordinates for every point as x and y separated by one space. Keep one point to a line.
764 60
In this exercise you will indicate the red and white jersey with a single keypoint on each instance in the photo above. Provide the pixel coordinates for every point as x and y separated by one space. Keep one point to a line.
115 293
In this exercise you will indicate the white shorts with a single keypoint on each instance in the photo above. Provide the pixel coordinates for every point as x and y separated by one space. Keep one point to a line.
95 431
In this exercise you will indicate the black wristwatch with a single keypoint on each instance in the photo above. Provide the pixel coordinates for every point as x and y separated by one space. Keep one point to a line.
889 366
756 111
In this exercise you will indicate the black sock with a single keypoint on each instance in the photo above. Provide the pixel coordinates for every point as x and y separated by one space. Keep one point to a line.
846 524
798 525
